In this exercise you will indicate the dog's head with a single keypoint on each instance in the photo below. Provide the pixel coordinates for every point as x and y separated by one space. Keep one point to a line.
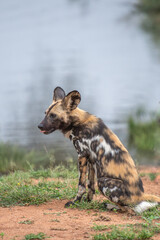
58 115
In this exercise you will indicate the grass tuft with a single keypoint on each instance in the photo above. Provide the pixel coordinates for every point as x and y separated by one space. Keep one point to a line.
2 235
126 232
28 222
152 176
35 236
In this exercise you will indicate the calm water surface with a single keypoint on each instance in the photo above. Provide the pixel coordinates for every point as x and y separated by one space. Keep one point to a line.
95 47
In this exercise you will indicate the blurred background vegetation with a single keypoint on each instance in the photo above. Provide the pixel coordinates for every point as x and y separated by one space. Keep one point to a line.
144 134
108 50
151 21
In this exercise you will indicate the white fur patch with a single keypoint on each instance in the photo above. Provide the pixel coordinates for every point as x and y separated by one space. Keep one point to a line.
82 146
86 144
105 189
81 191
104 145
115 199
143 206
113 189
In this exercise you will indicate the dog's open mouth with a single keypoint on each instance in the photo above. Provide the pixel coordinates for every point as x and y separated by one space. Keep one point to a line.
48 131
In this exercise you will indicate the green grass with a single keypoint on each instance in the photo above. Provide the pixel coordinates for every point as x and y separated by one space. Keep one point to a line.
151 175
95 205
27 222
19 189
126 232
26 188
2 235
151 214
138 231
100 227
35 236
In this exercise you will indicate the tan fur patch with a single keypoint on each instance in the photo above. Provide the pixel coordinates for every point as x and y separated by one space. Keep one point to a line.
67 135
120 170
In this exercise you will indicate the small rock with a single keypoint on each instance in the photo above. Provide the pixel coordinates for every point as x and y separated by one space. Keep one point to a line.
103 218
111 206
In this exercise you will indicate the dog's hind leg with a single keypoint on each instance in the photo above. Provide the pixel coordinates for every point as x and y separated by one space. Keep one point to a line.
114 189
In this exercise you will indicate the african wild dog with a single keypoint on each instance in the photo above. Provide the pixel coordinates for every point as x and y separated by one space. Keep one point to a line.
100 152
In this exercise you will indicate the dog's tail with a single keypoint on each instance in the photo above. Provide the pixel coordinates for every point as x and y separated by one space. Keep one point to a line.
146 201
150 197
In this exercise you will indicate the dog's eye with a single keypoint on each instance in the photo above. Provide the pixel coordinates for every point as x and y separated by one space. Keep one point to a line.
52 115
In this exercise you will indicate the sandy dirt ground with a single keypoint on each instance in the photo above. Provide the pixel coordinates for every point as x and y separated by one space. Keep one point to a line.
58 222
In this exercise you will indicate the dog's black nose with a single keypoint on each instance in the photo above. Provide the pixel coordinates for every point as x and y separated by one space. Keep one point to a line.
40 126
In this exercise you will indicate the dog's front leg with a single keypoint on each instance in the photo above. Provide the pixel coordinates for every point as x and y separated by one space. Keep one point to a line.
91 182
82 164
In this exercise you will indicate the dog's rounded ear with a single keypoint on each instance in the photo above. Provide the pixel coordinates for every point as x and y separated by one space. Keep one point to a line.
58 93
72 100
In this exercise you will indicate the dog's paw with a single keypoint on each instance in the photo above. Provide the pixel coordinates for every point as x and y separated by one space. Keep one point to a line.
86 199
68 204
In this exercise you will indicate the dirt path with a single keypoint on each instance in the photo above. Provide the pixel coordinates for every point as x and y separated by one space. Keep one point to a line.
58 222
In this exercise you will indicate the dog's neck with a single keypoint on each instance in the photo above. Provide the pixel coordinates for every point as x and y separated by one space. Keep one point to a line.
78 117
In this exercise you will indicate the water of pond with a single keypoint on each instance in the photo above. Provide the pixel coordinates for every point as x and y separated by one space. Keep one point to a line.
93 46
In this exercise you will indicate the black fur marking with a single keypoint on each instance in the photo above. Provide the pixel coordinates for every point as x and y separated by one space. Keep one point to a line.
100 155
81 185
127 192
70 137
117 157
75 97
51 108
138 193
92 189
128 173
101 129
140 184
82 164
66 128
109 184
78 199
94 145
84 152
